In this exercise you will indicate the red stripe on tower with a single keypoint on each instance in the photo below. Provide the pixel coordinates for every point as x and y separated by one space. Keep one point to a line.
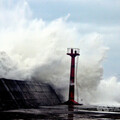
73 52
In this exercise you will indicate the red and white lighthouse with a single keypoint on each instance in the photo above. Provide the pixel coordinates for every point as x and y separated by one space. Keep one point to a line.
72 52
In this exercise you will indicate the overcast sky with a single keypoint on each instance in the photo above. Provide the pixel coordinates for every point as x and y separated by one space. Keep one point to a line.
104 12
101 16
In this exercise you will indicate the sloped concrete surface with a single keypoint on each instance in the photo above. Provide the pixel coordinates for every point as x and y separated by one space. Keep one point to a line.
16 94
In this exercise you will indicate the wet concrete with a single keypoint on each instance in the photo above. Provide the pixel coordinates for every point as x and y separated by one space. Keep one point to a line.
16 94
61 112
31 100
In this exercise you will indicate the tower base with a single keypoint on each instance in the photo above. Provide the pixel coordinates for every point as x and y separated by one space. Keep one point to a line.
71 102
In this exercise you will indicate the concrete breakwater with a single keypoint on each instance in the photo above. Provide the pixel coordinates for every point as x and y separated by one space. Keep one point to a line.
16 94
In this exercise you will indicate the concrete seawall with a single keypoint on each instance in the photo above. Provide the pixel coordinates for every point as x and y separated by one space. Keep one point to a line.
15 94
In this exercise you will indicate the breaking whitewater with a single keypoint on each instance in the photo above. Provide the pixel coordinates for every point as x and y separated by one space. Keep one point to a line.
34 49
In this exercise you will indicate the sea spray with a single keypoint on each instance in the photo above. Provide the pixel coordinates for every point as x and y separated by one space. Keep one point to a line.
36 50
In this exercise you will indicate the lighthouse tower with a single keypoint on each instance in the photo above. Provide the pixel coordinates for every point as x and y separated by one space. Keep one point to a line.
72 52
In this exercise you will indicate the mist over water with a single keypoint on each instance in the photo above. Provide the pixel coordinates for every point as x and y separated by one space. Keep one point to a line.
34 49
